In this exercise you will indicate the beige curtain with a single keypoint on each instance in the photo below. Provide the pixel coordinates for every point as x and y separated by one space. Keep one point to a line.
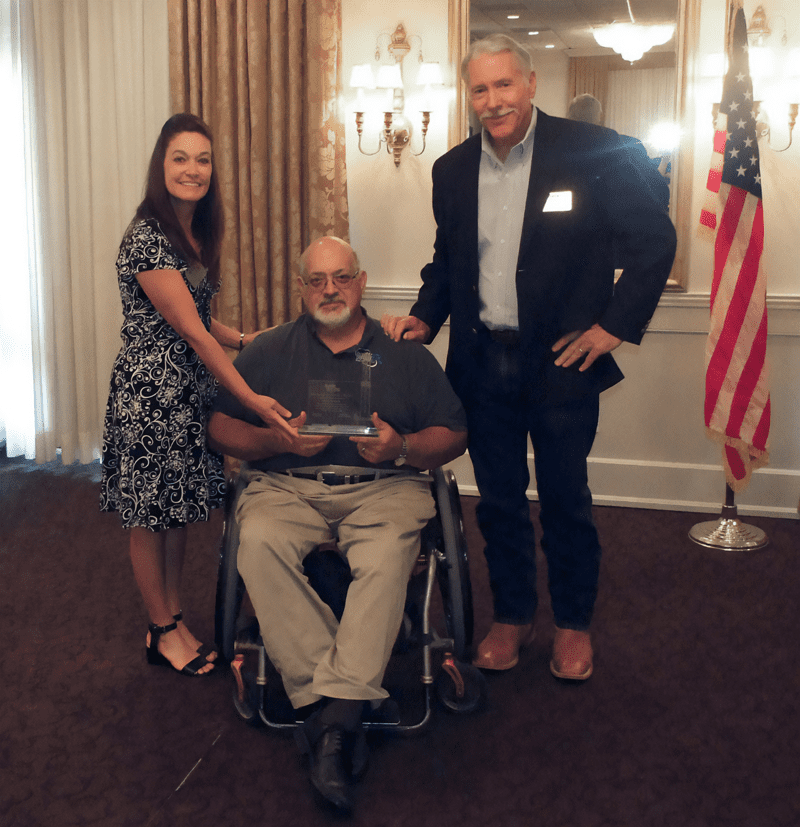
640 98
266 76
92 97
589 75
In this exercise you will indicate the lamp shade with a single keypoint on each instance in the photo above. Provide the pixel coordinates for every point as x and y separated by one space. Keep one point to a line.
389 77
430 74
361 77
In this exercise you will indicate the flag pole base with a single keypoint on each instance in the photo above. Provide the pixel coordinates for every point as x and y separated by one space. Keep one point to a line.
728 533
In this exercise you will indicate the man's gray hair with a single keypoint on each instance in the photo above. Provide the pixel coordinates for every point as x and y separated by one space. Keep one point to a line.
494 44
585 108
304 257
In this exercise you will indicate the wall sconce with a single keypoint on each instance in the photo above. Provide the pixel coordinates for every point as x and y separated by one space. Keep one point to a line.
397 129
768 66
762 127
758 30
775 72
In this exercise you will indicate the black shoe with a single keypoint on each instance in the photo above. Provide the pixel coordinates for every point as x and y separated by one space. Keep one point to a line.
205 650
327 754
387 712
155 658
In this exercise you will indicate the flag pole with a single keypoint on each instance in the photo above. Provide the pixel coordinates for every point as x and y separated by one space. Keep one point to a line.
728 533
737 406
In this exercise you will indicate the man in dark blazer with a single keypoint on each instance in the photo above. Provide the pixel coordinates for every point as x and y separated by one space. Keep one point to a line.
530 216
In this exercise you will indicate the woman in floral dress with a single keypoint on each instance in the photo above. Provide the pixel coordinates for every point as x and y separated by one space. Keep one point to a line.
158 472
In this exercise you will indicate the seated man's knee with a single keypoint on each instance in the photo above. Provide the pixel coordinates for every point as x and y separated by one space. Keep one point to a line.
265 551
386 554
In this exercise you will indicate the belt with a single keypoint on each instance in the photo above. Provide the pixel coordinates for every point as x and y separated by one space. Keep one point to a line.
506 336
342 476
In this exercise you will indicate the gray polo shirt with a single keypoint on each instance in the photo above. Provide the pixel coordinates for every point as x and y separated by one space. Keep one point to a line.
409 389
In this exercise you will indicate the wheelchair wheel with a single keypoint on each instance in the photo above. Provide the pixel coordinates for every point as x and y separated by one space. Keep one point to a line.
230 588
454 582
460 687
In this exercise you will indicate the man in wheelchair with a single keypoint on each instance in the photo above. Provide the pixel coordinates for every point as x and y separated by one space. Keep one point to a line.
366 490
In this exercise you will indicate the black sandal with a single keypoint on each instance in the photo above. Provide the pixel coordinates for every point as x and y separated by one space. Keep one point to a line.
155 658
205 649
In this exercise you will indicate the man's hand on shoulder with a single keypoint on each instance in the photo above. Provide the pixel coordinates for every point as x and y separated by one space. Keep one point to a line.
585 344
405 327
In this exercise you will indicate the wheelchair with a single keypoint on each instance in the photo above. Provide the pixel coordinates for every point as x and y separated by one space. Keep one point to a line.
258 695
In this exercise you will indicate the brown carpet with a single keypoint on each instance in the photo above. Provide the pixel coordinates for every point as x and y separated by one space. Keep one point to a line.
691 718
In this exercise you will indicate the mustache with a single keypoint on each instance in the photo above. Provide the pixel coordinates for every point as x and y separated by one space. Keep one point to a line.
500 114
335 299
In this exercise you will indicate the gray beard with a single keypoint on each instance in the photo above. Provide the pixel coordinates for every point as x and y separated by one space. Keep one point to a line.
332 320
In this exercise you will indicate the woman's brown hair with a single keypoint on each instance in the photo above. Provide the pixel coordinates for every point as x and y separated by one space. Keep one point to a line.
207 224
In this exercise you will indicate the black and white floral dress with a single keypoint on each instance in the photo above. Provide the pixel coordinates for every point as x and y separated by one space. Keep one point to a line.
157 469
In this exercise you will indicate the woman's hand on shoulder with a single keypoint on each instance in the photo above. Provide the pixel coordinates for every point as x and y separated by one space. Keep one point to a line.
251 337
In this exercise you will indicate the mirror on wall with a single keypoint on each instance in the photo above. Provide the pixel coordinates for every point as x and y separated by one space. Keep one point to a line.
642 92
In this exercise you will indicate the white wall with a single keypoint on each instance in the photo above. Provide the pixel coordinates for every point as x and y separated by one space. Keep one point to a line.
651 449
552 82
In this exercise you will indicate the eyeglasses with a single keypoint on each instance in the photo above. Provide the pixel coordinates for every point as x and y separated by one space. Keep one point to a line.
343 280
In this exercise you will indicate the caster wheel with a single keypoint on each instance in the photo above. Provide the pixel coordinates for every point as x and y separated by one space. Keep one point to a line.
245 692
460 687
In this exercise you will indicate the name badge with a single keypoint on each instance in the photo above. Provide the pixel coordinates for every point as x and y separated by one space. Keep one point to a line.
559 201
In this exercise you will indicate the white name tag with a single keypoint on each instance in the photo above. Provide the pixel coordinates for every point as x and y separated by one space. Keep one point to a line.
559 201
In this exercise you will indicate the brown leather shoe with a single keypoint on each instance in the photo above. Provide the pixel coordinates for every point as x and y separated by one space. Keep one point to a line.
572 655
499 650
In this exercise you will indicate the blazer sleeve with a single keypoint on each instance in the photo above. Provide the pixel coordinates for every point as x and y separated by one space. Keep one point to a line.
644 244
433 302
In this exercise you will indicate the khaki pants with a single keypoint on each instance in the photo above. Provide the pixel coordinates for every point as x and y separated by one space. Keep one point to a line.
378 524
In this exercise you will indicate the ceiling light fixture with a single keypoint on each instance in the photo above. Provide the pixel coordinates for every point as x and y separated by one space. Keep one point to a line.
632 40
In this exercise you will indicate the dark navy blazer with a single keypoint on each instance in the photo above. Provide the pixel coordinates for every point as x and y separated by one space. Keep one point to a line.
565 269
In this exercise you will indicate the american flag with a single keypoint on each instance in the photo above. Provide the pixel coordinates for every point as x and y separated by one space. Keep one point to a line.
737 405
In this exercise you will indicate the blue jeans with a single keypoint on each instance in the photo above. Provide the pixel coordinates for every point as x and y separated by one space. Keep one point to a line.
501 413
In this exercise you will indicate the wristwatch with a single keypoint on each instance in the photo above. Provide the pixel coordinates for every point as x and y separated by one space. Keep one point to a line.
401 460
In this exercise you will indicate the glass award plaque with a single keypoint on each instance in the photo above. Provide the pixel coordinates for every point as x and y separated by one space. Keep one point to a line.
342 406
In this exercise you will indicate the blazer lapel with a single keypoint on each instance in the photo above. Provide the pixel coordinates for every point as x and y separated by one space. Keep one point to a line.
539 185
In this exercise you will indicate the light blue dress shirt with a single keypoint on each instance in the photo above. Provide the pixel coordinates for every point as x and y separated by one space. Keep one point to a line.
502 192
